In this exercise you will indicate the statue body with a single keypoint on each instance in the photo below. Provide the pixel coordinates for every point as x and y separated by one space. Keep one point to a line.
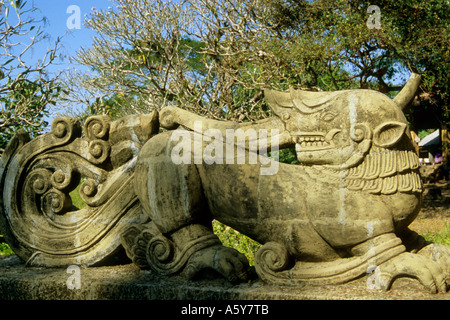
340 214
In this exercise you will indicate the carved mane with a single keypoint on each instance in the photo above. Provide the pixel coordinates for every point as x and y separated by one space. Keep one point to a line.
382 172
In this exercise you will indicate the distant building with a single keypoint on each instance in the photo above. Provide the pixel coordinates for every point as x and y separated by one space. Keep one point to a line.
430 148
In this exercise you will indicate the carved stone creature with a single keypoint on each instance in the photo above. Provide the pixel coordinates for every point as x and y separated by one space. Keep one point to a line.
341 214
37 177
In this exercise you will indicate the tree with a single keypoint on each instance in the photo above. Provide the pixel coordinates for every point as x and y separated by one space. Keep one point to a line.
26 89
187 53
214 57
412 35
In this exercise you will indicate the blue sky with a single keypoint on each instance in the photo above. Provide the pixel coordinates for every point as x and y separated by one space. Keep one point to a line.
57 16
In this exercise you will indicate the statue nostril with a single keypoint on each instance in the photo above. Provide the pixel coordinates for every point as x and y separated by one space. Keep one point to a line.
285 116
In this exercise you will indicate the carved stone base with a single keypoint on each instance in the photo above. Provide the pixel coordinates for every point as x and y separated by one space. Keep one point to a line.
128 282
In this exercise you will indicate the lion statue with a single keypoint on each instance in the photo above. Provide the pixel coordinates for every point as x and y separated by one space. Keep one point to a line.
153 183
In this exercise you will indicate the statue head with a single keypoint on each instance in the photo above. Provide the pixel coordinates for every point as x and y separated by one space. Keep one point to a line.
339 128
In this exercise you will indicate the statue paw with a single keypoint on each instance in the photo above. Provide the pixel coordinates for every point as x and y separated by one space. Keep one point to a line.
439 253
228 262
417 266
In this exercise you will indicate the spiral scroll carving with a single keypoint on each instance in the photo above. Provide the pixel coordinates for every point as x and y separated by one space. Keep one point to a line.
272 257
160 250
149 249
360 132
61 180
97 127
65 128
56 202
88 189
99 150
37 181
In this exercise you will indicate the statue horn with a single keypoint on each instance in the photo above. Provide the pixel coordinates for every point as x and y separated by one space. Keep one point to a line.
405 96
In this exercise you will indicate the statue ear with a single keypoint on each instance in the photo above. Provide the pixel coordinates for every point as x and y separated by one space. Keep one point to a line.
388 134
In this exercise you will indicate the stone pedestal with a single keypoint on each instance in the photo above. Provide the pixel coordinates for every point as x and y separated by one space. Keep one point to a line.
128 282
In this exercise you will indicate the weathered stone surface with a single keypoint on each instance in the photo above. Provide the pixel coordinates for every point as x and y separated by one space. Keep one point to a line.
341 214
128 282
343 211
37 216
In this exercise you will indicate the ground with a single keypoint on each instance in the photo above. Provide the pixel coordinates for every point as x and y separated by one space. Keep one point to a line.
434 217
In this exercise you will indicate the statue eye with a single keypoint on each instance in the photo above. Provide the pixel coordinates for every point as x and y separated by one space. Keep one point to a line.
328 116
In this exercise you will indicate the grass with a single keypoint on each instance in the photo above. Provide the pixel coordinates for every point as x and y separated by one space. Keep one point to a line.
442 236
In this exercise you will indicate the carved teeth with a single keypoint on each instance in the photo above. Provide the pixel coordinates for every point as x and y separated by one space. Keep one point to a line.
314 143
311 142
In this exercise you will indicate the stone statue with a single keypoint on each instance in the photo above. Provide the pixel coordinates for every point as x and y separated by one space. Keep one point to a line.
153 183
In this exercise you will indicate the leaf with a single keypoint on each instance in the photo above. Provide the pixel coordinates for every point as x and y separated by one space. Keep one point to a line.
12 59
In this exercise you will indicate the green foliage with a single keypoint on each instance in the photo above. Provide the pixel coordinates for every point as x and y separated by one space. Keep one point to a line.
233 239
26 89
214 57
152 53
329 36
424 132
111 107
287 155
76 198
441 237
5 249
25 107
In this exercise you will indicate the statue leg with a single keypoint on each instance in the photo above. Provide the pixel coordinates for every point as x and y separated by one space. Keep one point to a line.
171 194
426 267
386 248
